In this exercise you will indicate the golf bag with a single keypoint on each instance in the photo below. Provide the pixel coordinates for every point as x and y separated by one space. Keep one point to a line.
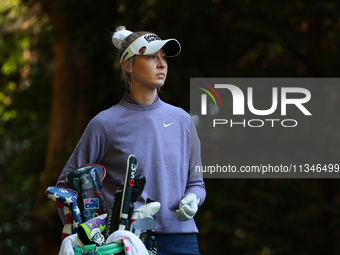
96 225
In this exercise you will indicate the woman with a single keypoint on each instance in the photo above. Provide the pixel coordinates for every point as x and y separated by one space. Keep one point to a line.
162 137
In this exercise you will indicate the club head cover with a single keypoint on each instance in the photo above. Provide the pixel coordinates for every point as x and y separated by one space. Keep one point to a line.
87 180
138 187
66 200
187 207
90 232
137 191
129 183
97 171
147 210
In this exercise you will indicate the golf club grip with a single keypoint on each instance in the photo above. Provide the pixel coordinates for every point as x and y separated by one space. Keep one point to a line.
127 192
114 215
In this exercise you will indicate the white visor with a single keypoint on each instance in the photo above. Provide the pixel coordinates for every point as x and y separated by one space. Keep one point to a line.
149 44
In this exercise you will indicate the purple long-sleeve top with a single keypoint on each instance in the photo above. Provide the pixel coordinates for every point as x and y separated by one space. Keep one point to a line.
166 145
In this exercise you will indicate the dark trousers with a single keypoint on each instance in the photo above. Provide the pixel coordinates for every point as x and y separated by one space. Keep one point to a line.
177 244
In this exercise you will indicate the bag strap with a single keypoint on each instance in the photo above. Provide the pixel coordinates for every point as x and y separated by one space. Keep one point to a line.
89 249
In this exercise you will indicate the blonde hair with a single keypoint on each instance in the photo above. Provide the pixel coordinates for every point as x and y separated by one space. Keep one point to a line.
122 46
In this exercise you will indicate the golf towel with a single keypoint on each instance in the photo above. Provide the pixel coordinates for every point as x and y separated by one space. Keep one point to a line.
132 244
68 244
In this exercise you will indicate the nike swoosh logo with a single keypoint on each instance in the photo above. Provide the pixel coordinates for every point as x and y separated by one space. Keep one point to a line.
166 125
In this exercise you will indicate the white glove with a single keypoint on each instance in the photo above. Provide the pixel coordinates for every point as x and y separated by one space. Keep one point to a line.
187 207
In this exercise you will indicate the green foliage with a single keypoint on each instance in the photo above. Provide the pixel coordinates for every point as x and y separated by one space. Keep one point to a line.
24 102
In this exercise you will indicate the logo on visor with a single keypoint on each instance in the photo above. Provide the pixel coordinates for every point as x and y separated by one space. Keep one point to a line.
142 50
151 38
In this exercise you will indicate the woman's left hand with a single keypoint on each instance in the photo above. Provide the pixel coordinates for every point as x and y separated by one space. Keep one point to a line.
187 207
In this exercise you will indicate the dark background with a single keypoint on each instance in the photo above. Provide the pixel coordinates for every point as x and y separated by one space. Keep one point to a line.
58 68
